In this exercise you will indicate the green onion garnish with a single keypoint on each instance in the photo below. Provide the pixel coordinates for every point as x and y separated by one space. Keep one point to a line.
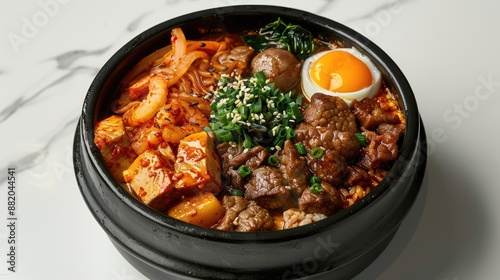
224 135
361 139
300 148
290 133
314 180
317 152
244 171
253 112
316 188
273 160
236 192
247 143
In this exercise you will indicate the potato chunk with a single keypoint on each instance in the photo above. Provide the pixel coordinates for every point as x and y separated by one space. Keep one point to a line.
202 209
197 164
112 141
150 177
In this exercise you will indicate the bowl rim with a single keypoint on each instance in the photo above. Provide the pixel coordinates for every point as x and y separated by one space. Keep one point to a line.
363 44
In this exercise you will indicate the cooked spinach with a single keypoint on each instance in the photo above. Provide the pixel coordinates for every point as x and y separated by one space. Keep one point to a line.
278 34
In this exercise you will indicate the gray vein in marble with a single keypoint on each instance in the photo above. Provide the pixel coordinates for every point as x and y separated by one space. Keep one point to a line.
325 6
135 23
21 101
29 161
65 60
373 12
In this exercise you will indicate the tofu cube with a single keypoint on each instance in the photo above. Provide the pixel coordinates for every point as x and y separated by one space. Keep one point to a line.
197 164
111 139
150 177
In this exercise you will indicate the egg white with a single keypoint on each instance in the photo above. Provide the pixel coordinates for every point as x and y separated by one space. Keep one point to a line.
309 87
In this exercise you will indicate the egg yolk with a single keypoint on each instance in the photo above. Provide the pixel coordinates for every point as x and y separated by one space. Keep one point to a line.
340 71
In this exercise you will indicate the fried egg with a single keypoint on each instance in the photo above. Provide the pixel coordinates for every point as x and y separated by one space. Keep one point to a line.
342 72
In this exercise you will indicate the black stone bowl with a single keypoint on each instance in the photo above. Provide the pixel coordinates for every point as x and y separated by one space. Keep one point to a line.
160 247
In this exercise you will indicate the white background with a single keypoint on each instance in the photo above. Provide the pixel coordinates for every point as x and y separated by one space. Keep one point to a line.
449 51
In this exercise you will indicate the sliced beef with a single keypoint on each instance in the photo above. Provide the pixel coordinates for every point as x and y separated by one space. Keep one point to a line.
330 111
233 157
340 141
256 157
254 218
233 205
331 167
370 115
380 149
253 158
326 202
268 188
294 168
226 153
235 179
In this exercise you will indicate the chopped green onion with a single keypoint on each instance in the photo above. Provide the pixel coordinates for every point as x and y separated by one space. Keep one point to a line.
273 160
243 111
279 143
298 100
256 108
281 133
281 104
290 133
361 139
224 135
236 192
317 152
314 180
295 111
316 188
247 143
300 148
244 171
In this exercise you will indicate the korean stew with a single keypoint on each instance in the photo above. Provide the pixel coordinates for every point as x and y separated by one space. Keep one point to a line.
261 130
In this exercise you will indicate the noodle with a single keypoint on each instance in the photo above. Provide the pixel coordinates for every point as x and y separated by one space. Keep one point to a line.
189 66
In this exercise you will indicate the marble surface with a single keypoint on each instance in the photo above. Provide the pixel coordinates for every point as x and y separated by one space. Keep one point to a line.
50 51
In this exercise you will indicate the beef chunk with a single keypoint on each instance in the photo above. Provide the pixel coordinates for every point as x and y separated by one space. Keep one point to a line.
233 205
326 202
254 218
330 111
235 179
380 149
357 176
342 142
294 168
397 130
268 188
370 115
331 167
